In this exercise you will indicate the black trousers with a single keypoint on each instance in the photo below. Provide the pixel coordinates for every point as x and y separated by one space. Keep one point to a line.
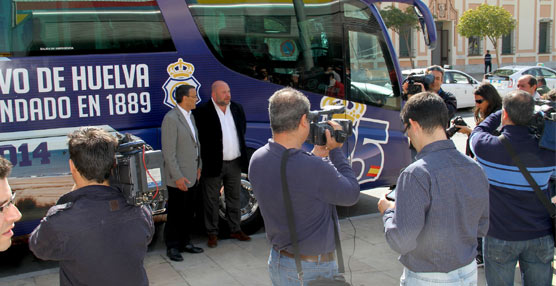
180 219
230 179
488 66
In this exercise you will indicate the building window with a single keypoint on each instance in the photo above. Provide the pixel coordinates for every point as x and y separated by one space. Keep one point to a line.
508 43
544 37
405 42
474 46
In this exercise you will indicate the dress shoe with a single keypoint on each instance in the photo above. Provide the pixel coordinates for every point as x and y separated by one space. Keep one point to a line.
174 254
240 235
192 249
212 241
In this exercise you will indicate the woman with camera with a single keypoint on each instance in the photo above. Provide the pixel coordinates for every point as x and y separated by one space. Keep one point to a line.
487 101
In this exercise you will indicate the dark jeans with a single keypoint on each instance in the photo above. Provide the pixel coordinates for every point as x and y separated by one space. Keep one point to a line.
534 256
180 220
230 178
488 66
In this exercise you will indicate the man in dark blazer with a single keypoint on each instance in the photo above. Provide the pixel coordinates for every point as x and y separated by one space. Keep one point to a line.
182 169
222 126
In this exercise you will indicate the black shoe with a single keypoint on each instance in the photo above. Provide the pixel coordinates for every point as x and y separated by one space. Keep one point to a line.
174 254
192 249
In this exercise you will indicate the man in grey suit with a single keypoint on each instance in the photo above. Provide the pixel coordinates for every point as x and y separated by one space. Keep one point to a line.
182 168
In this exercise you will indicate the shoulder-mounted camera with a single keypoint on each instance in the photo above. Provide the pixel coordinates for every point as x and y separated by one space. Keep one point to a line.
317 135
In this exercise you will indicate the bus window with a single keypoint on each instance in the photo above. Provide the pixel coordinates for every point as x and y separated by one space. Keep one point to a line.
40 28
370 81
302 45
263 40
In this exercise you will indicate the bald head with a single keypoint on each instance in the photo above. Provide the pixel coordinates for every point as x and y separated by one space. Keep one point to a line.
527 83
221 94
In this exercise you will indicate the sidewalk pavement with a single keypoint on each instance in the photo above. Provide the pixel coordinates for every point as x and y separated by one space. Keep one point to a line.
370 262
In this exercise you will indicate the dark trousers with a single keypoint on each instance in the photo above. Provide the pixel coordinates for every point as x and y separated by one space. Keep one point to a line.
180 219
230 178
488 65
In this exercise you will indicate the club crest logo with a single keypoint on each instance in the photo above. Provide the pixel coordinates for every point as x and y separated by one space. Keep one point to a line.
180 73
365 145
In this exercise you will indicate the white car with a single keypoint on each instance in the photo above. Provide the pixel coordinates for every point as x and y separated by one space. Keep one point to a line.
505 79
460 84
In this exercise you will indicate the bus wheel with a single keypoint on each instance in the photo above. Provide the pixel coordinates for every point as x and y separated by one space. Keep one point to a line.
251 218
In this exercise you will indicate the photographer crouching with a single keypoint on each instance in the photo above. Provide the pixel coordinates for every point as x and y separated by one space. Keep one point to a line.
96 236
432 82
316 181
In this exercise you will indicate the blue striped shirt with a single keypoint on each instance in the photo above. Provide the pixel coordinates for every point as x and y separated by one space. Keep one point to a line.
515 211
441 209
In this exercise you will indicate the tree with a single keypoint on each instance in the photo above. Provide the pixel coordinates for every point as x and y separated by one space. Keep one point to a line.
488 21
401 23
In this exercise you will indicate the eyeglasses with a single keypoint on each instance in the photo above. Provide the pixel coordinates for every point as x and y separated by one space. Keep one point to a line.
406 128
6 205
479 101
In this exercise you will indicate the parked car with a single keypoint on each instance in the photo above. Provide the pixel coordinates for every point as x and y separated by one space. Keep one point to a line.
460 84
505 79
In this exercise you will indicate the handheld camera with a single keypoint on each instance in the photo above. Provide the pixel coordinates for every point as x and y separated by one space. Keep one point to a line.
317 135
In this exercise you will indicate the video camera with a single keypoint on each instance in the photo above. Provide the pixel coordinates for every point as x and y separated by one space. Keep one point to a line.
317 135
139 173
543 124
413 88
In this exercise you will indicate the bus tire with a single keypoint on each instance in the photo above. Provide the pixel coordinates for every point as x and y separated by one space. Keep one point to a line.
251 218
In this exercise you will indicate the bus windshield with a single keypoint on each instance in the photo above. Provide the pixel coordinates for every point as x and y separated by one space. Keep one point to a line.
333 48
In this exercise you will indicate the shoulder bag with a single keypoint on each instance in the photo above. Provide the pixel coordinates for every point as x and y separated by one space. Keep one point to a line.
338 280
540 195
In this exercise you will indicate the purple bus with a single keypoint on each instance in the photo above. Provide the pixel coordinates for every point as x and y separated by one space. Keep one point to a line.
116 64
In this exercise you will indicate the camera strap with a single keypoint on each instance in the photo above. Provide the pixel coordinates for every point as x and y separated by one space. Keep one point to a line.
540 195
291 222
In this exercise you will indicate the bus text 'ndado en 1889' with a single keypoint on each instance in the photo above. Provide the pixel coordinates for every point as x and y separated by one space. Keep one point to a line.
116 64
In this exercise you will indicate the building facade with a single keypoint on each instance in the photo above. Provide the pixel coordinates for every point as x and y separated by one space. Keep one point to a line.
533 40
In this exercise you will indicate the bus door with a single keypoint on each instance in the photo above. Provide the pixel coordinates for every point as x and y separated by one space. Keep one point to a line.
372 103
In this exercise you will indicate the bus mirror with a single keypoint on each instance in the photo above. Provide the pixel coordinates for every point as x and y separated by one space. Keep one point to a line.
428 34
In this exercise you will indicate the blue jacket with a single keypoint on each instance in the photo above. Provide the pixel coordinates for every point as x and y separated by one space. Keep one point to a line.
515 211
98 238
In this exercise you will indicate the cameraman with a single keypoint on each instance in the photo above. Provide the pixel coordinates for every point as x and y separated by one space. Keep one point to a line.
435 86
95 235
316 183
520 226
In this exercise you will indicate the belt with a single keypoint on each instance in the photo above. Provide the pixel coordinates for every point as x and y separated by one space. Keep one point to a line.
309 258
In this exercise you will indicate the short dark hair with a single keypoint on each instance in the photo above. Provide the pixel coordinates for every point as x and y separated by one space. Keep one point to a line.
5 167
183 90
491 95
541 80
435 68
285 108
520 106
93 152
428 109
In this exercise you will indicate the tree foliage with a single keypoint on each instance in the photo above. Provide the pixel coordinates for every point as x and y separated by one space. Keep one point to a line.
487 21
400 22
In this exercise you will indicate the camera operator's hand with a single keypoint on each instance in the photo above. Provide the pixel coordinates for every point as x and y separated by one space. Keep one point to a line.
384 204
181 183
405 88
464 129
331 141
320 151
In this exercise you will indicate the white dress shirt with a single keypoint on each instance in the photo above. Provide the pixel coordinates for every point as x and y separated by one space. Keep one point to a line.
187 115
230 142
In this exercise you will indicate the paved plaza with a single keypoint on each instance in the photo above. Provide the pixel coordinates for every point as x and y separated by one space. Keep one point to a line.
369 261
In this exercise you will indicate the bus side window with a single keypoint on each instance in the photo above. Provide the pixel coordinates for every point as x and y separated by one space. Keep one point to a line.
42 30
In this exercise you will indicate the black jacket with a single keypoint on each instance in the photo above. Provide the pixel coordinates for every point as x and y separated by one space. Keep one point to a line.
210 136
98 238
450 101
